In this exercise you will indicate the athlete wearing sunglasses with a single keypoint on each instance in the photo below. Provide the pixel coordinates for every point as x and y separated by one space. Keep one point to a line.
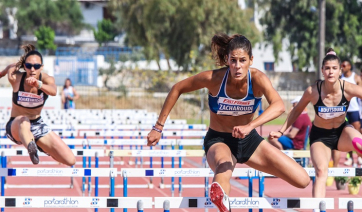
30 91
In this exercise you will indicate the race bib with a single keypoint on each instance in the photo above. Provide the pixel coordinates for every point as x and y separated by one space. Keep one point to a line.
29 99
331 112
234 107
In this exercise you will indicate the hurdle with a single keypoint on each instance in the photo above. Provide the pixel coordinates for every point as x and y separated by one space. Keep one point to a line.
185 153
77 152
57 172
247 203
75 202
238 172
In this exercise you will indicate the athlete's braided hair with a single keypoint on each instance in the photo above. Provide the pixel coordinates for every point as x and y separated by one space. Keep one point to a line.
29 49
222 45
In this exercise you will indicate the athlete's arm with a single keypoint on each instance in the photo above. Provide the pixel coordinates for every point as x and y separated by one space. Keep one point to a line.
296 111
10 71
76 96
358 80
292 133
48 86
276 105
193 83
352 90
62 96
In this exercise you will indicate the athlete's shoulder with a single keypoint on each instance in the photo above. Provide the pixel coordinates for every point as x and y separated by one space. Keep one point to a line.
257 75
313 89
214 74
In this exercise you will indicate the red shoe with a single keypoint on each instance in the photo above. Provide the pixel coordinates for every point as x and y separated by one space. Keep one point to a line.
219 198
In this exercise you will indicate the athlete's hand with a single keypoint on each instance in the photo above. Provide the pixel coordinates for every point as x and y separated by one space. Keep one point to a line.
32 81
273 135
241 131
153 138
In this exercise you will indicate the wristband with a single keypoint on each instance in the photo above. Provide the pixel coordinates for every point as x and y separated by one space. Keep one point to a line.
281 132
156 129
159 123
40 83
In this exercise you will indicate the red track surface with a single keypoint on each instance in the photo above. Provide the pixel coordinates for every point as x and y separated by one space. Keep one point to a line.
274 187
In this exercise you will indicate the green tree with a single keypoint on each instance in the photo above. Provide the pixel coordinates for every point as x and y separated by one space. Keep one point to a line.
45 38
181 29
64 16
106 31
297 21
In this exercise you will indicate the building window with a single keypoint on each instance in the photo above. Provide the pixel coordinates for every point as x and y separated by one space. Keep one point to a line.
269 66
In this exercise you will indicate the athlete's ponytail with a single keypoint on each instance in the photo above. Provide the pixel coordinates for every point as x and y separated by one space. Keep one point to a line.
331 55
222 45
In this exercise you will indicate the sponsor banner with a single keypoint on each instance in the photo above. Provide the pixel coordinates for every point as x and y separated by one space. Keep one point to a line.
59 172
334 172
73 202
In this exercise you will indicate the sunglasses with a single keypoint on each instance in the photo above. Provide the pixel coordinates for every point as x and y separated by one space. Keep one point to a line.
36 66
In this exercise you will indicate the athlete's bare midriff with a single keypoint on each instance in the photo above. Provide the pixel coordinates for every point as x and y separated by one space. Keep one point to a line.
227 123
28 112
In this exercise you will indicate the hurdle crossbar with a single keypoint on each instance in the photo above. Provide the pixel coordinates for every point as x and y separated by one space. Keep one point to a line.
76 152
182 172
246 202
73 202
157 153
238 172
59 172
142 142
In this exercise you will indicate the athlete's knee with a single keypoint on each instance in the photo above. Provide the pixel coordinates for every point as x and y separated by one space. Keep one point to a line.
357 144
303 180
321 172
70 161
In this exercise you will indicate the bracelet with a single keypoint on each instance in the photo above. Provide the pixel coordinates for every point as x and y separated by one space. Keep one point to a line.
40 84
281 132
159 123
156 129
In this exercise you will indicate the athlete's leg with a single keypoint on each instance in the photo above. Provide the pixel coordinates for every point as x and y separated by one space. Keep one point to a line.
350 140
55 147
320 155
20 130
222 162
269 159
336 155
357 125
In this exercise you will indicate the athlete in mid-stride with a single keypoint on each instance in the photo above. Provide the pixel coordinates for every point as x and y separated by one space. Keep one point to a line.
31 89
330 131
234 93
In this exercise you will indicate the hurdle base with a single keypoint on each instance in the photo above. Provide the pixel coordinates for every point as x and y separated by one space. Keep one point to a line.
150 186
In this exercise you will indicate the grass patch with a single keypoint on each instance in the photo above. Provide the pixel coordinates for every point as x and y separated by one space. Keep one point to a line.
198 121
277 121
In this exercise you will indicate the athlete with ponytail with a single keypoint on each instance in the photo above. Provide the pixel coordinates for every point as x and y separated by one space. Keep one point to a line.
331 98
30 91
234 93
